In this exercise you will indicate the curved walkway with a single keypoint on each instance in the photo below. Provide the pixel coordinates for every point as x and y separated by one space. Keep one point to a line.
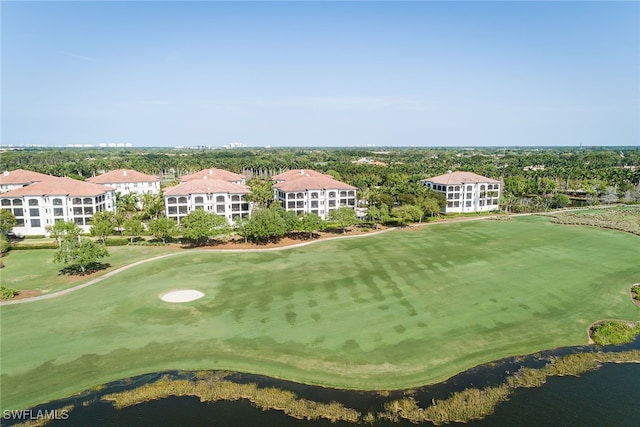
296 245
128 266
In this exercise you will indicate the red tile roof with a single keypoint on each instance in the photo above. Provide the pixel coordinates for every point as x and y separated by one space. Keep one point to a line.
297 173
123 176
312 182
22 176
213 173
59 187
206 186
458 178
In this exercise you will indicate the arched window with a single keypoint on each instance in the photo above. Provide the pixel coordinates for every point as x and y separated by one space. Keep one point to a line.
33 202
17 202
182 200
220 199
57 202
199 199
87 200
332 194
171 201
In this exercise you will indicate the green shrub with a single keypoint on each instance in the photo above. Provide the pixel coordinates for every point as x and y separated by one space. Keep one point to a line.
614 332
7 293
30 246
36 236
117 241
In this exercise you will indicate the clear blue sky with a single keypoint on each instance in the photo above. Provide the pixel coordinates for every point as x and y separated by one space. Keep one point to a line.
321 74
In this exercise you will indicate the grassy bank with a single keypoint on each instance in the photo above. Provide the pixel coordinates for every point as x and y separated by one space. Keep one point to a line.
396 310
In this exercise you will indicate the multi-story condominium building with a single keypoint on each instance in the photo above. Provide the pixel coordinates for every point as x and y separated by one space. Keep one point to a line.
466 191
214 173
224 198
303 191
127 181
40 205
10 180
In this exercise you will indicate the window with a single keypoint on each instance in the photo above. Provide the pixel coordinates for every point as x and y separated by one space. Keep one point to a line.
182 209
220 199
291 205
352 193
35 222
77 210
457 188
482 187
235 198
314 195
450 188
343 194
332 203
182 200
199 199
18 212
5 202
88 210
34 212
17 202
171 201
173 210
449 204
87 201
57 202
220 209
300 196
469 188
468 203
77 201
79 221
332 194
468 195
33 202
58 212
314 203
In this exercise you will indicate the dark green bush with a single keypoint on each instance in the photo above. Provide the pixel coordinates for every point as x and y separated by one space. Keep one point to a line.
117 241
30 246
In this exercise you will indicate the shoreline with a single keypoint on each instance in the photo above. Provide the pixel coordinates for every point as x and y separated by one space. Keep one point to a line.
505 374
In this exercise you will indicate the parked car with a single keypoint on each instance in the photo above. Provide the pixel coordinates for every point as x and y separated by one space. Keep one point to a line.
13 236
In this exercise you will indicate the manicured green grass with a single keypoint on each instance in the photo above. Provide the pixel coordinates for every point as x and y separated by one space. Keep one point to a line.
35 269
395 310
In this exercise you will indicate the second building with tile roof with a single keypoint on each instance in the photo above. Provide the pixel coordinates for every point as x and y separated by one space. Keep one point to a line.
305 190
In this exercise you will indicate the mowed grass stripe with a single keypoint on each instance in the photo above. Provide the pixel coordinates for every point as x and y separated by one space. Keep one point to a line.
396 310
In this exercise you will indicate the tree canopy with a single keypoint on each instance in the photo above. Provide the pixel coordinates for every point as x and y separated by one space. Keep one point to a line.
200 226
79 254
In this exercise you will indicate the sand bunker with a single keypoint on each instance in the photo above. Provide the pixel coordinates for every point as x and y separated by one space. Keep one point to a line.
183 295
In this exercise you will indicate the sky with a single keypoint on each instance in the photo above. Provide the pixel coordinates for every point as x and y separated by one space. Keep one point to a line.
419 73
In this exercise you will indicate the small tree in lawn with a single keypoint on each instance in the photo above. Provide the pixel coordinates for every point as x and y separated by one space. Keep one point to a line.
265 224
200 226
407 213
7 221
64 229
241 227
344 217
163 228
291 219
311 222
79 254
102 224
133 228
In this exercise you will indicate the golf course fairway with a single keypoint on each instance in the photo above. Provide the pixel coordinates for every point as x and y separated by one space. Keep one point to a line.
393 310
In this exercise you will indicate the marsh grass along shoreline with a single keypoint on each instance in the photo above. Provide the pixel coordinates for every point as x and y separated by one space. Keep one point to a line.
459 406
